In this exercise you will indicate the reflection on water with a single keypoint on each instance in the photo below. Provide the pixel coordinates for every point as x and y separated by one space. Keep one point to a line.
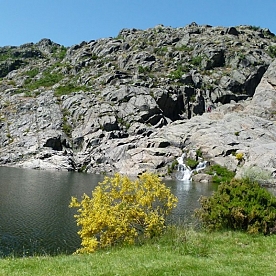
34 213
188 194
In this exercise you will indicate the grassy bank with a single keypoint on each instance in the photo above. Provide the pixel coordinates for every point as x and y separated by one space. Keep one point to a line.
179 252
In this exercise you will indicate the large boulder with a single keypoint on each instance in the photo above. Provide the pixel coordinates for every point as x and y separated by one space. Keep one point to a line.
264 101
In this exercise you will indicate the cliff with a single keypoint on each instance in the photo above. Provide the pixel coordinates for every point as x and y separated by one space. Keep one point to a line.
136 102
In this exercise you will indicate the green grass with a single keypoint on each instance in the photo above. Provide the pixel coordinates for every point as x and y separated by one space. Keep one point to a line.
68 89
184 48
196 61
32 73
181 252
143 70
177 74
48 79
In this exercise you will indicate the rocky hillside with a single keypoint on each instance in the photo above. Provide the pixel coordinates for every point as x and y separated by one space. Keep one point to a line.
136 102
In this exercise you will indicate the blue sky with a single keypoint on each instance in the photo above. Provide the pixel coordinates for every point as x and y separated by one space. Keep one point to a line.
70 22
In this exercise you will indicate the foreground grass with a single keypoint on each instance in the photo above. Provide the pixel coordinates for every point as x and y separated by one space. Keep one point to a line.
179 252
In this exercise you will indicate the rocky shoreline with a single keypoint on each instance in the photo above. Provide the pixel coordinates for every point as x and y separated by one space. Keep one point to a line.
136 102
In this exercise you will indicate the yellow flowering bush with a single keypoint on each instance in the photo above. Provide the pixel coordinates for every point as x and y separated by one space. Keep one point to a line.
121 210
239 156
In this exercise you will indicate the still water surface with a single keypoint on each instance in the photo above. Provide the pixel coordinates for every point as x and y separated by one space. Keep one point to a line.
34 213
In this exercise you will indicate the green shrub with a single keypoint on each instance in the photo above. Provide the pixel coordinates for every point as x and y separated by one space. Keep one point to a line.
184 48
220 174
123 122
143 70
120 211
62 53
272 51
67 129
177 74
4 56
32 73
198 153
239 205
161 51
191 163
94 57
255 28
68 89
66 126
171 167
48 79
59 51
196 61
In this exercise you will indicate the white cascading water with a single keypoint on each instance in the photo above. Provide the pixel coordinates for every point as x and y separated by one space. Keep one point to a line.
184 172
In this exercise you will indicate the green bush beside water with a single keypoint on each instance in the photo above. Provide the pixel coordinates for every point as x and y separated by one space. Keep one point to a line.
220 174
239 205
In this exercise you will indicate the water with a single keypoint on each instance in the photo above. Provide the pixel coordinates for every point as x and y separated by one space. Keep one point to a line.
185 173
34 214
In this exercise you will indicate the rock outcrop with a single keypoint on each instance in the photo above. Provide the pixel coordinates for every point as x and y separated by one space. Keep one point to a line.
134 103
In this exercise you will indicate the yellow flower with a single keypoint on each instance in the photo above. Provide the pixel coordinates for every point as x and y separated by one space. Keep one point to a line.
239 156
120 210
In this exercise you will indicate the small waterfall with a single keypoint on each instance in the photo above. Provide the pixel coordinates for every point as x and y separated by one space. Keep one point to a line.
184 172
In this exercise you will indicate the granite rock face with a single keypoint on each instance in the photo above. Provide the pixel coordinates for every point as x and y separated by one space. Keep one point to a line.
134 103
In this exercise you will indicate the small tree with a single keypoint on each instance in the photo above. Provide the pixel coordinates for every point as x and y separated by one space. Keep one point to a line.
120 211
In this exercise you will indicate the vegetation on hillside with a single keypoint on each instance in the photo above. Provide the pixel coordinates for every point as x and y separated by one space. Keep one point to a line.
166 56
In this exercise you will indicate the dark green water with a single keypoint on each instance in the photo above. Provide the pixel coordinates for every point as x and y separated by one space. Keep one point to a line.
34 213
